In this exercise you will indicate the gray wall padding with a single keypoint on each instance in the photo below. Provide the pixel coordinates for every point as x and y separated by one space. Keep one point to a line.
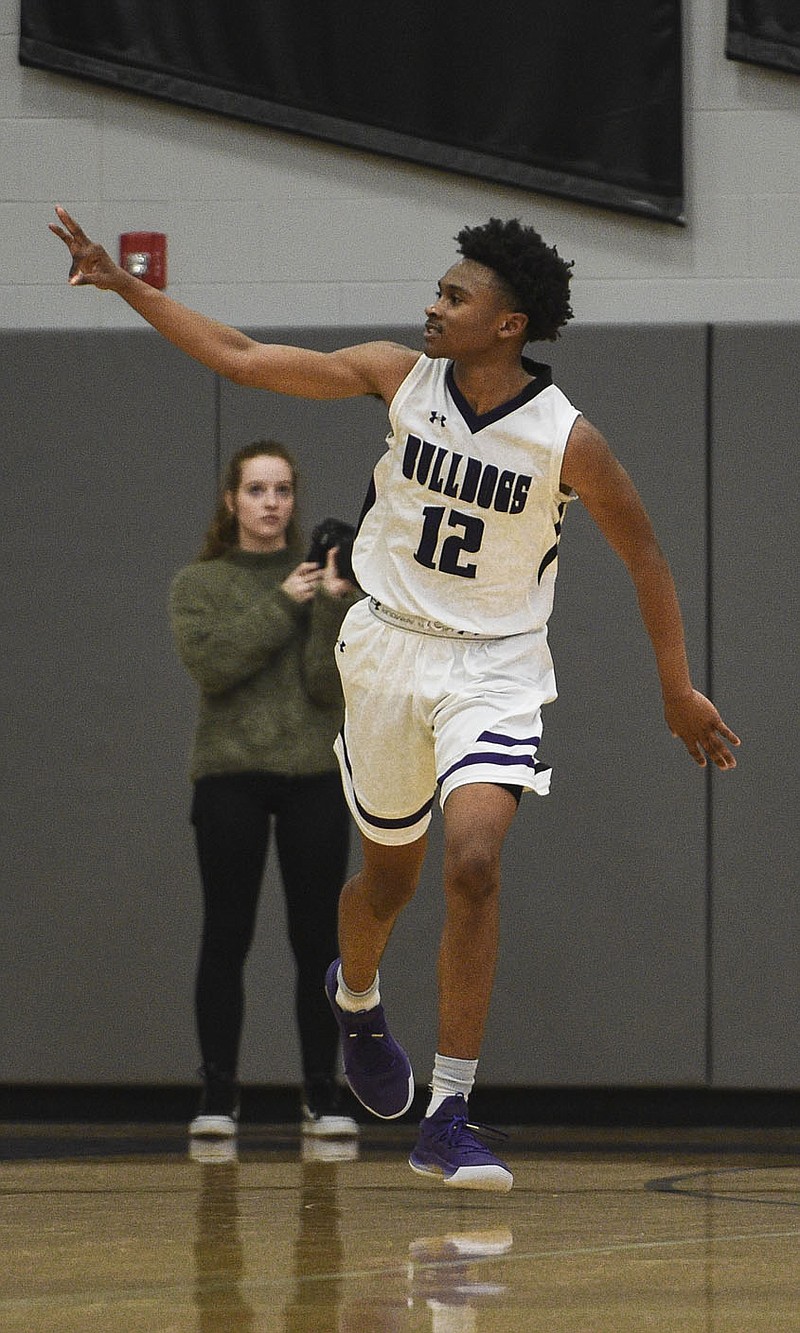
755 819
111 444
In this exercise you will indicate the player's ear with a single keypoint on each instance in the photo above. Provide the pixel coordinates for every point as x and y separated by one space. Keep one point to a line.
513 325
230 503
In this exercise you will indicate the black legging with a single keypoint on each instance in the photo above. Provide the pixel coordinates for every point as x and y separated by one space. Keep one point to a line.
232 815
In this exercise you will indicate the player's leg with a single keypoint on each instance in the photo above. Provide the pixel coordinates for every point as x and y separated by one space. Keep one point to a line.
370 904
377 1068
476 820
386 758
487 734
488 729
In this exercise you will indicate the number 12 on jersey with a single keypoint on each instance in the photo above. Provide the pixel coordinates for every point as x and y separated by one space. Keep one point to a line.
445 554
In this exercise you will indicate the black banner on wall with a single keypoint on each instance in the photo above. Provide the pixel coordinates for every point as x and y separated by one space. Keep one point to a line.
765 32
565 97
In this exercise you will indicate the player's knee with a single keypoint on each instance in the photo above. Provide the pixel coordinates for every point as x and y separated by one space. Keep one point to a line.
389 876
473 873
390 898
387 893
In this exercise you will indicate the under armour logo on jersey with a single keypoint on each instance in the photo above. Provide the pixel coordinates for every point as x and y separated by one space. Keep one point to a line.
438 416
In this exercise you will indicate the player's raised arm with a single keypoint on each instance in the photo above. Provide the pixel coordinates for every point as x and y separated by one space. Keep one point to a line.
370 368
609 495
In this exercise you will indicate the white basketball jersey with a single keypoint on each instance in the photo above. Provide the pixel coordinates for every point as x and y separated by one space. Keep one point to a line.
463 518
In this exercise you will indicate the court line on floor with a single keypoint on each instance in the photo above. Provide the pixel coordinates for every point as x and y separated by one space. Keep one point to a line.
129 1295
674 1185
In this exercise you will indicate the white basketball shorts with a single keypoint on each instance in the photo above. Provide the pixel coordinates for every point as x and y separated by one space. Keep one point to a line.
424 711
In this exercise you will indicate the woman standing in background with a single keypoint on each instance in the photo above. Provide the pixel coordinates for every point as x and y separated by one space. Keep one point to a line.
256 626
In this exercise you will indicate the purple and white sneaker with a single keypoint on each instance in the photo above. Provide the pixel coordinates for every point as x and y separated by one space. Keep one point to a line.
375 1065
448 1148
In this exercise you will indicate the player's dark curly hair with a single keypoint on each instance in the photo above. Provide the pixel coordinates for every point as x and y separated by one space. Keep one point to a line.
535 275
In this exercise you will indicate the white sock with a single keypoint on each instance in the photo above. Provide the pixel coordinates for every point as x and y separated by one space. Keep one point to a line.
450 1076
354 1001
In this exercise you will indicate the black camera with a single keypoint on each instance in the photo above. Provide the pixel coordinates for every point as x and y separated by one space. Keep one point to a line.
333 532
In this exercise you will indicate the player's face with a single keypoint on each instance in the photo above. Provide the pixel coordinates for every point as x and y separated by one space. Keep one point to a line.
464 320
263 504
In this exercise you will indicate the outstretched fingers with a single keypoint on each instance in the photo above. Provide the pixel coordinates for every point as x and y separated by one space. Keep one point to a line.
75 240
70 233
75 231
90 263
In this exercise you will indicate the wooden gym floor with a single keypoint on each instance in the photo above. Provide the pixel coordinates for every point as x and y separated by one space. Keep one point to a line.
118 1229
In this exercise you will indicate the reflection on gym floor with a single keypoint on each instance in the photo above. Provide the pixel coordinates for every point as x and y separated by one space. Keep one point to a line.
126 1230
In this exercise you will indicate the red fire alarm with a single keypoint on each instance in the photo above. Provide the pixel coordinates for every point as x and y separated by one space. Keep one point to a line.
144 254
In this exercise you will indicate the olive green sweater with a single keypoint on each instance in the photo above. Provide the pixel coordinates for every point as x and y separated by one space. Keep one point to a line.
270 698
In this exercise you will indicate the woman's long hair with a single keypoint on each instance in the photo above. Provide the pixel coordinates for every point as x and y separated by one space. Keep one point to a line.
223 533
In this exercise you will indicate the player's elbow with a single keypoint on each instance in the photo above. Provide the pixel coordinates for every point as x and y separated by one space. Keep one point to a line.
241 370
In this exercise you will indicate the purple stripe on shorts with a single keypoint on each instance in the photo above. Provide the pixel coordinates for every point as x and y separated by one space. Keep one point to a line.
503 760
407 821
497 739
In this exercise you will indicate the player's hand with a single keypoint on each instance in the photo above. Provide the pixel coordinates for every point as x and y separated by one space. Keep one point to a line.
302 583
90 263
694 720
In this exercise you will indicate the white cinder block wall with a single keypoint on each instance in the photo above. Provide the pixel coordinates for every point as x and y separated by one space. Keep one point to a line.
268 228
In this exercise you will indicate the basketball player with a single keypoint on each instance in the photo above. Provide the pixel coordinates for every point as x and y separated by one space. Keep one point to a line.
445 664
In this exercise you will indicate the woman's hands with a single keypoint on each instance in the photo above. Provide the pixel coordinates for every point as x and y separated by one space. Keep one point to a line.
305 582
302 584
333 585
